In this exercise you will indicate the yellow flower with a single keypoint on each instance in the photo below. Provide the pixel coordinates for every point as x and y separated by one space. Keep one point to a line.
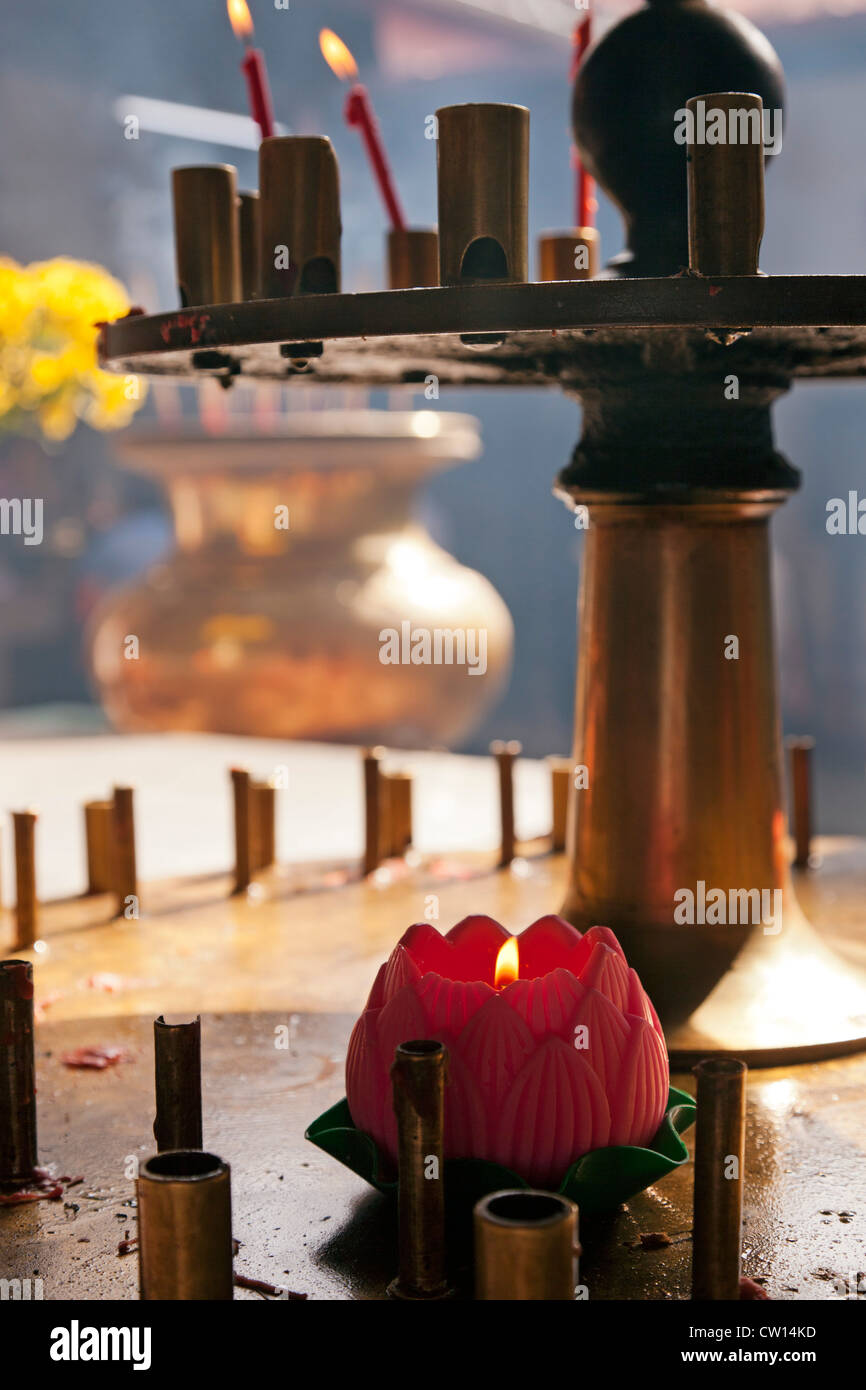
48 363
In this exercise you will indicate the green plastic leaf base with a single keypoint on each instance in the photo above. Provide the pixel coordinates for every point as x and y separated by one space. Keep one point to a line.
600 1181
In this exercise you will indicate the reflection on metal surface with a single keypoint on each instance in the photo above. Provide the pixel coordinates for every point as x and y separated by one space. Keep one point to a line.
274 629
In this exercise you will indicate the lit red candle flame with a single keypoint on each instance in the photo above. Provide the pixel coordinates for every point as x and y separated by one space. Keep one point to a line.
253 67
507 967
359 112
585 204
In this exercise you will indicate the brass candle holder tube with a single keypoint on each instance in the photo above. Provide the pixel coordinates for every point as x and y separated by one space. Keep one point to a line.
124 871
99 838
18 1154
419 1074
505 755
242 800
373 810
413 257
800 750
525 1246
719 1176
250 244
561 774
26 908
263 825
206 234
177 1067
573 255
396 792
483 183
184 1227
299 216
726 186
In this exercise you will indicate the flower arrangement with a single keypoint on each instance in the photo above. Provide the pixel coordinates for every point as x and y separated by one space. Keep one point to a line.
49 375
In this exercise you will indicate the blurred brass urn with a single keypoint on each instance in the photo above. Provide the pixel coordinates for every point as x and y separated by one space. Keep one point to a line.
296 551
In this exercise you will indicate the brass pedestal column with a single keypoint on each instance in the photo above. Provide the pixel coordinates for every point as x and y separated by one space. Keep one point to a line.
677 723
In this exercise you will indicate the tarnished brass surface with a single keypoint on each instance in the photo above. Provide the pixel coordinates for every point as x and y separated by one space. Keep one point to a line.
719 1179
413 257
206 234
18 1151
683 746
299 216
99 835
309 1224
419 1076
483 185
177 1067
251 627
184 1227
726 189
559 254
250 249
525 1246
802 326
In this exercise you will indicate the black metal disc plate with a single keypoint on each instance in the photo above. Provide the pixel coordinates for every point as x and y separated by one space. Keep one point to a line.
516 334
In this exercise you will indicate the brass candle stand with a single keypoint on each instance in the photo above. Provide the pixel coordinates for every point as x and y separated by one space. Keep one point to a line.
679 476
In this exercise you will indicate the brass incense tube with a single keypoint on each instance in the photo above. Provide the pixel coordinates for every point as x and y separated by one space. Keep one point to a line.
17 1073
801 797
561 771
177 1067
206 234
505 754
262 825
99 836
123 842
299 216
719 1175
419 1074
243 828
250 238
397 818
184 1227
483 181
570 255
373 806
726 185
413 257
525 1246
24 830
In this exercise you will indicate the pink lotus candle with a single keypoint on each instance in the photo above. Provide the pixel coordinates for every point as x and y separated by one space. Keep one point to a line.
555 1047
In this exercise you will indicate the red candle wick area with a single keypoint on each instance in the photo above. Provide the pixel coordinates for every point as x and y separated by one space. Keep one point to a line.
360 113
259 92
585 204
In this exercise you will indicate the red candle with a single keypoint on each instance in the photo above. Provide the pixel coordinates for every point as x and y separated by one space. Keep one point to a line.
253 68
585 187
554 1046
359 112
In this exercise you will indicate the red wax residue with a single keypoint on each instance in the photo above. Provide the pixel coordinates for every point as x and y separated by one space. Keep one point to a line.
41 1187
95 1057
752 1292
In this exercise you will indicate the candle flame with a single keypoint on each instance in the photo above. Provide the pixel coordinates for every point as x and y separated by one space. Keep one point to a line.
507 963
337 55
240 18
